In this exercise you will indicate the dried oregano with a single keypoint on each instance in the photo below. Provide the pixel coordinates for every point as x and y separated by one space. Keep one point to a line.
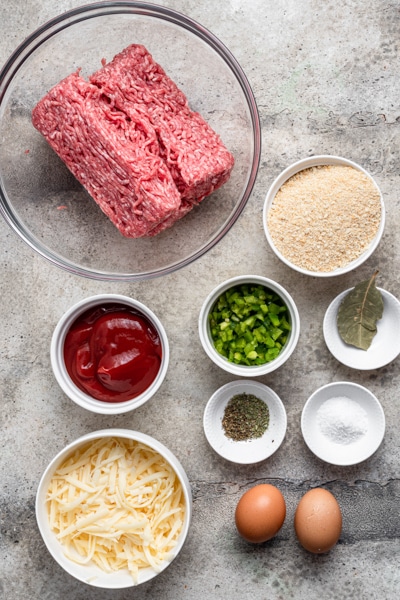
245 417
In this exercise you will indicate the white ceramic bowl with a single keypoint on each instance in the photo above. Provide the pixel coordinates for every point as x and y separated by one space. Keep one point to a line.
385 346
307 163
244 370
89 573
250 451
350 436
60 371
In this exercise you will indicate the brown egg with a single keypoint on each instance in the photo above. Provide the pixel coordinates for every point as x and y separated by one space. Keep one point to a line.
318 521
260 513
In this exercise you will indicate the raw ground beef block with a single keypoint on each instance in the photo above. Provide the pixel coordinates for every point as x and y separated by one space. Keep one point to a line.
129 136
194 153
115 158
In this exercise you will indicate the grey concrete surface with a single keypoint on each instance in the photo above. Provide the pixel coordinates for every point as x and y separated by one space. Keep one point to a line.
326 80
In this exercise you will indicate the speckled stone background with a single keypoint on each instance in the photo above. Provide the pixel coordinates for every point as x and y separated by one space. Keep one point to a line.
325 77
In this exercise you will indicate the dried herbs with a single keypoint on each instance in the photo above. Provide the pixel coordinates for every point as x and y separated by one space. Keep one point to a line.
245 417
359 312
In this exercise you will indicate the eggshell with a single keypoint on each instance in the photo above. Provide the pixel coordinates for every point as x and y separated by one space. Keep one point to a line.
260 513
318 521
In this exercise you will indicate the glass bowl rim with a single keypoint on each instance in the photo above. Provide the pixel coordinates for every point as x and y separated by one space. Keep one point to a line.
85 12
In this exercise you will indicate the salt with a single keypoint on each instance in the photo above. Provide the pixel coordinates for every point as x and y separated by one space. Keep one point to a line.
342 420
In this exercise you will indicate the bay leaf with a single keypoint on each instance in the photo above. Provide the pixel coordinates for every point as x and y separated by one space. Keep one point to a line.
359 312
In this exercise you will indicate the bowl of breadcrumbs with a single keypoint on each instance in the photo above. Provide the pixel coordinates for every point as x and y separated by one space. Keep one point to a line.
324 216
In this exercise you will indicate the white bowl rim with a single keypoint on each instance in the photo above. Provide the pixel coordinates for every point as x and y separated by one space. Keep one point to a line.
296 167
330 452
55 549
379 354
252 451
61 374
244 370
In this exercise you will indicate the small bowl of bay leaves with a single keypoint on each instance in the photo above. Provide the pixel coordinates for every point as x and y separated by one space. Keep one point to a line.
362 326
245 421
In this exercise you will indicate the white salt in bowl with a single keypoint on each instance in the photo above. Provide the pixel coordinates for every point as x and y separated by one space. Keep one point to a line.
343 423
76 394
297 167
90 573
243 370
42 201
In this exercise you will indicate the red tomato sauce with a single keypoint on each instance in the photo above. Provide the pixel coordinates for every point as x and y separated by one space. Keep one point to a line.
112 352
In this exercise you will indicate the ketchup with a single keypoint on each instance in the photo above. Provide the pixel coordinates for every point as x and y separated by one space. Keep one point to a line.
112 352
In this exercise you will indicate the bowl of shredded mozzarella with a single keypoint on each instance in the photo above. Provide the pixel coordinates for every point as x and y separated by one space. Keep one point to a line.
114 508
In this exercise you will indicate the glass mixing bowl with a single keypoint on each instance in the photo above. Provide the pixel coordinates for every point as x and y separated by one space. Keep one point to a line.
45 204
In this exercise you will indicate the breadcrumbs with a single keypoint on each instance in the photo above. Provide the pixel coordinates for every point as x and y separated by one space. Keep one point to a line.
324 217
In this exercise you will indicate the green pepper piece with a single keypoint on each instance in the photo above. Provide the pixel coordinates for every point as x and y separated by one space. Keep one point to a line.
275 320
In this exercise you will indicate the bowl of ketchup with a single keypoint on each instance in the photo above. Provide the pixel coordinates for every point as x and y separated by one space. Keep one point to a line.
109 353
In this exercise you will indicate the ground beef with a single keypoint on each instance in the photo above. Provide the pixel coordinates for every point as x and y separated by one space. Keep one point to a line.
129 136
109 154
193 152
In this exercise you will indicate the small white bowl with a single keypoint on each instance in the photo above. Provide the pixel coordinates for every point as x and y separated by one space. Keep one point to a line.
90 573
385 346
315 161
367 433
250 451
246 370
60 371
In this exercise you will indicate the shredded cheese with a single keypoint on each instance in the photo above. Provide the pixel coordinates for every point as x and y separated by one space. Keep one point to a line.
117 503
